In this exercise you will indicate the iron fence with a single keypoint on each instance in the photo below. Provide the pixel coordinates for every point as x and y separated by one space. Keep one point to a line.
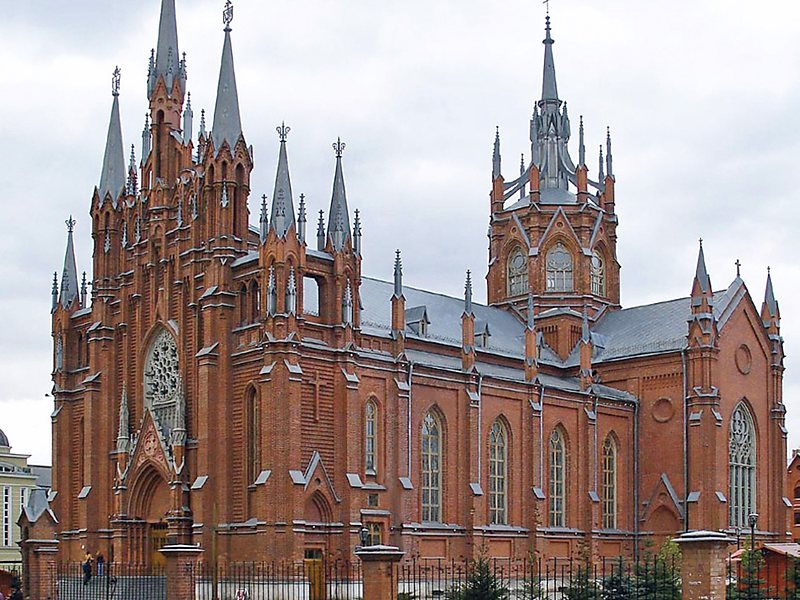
110 581
608 579
303 580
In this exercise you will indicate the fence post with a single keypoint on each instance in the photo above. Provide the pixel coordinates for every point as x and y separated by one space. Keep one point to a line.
703 568
39 560
181 569
379 570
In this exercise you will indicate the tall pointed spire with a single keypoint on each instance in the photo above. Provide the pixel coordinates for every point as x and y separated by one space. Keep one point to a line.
701 274
496 154
69 277
167 63
338 217
769 297
398 275
282 215
227 122
549 87
112 175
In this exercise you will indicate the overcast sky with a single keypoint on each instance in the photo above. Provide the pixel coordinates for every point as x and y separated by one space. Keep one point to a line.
702 99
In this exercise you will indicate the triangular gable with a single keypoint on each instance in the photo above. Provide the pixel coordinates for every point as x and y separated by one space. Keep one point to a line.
149 448
559 211
314 464
663 485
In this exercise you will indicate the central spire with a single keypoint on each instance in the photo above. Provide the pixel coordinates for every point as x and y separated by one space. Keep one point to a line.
112 175
167 62
549 87
227 122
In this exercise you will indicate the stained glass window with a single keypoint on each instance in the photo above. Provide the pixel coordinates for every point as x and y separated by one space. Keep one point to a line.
517 273
742 463
559 269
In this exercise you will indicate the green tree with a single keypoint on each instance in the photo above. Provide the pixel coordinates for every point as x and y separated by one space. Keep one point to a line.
581 584
619 585
658 577
747 582
481 584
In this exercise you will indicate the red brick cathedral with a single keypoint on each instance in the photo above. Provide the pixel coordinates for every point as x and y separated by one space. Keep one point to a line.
248 389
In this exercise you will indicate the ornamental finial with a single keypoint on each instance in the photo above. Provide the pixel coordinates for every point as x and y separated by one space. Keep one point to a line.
338 147
70 224
227 14
115 80
283 131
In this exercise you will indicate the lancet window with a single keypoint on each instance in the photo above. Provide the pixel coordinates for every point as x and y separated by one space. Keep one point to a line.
557 483
431 469
608 490
498 474
517 272
742 466
370 438
598 275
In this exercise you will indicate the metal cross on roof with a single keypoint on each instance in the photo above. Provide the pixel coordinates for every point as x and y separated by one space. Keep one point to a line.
338 147
227 14
738 265
283 131
115 80
70 224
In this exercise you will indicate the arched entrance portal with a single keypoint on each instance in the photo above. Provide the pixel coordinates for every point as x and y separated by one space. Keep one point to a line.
150 502
318 517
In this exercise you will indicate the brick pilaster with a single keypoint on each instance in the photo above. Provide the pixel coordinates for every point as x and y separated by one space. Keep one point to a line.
379 564
703 570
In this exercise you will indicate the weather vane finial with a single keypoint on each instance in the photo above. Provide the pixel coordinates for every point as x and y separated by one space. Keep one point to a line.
115 79
227 14
283 131
70 224
338 147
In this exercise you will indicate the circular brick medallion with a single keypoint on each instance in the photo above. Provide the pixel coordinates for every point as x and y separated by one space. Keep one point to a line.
663 410
743 359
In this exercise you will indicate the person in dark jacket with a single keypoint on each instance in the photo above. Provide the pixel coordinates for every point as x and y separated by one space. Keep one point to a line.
87 571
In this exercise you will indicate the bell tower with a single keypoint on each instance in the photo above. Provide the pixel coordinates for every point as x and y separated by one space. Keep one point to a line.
552 230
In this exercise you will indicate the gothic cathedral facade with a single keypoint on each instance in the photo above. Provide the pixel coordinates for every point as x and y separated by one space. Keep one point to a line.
248 388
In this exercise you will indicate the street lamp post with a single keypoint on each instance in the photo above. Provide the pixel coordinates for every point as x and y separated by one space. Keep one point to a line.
752 519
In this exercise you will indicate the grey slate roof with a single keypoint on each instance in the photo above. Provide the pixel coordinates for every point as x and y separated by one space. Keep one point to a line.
227 121
4 439
650 329
444 314
112 175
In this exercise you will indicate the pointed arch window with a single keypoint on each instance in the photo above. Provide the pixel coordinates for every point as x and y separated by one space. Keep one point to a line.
557 482
742 466
608 490
559 269
431 469
371 438
255 299
253 435
498 474
598 274
517 272
244 314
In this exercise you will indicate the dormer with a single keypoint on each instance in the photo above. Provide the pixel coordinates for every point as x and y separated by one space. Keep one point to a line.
417 320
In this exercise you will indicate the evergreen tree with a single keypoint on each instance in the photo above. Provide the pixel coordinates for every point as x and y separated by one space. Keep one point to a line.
658 577
481 584
581 585
619 585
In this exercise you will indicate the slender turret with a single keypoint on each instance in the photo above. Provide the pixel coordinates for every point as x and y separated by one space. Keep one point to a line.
338 217
227 125
112 175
